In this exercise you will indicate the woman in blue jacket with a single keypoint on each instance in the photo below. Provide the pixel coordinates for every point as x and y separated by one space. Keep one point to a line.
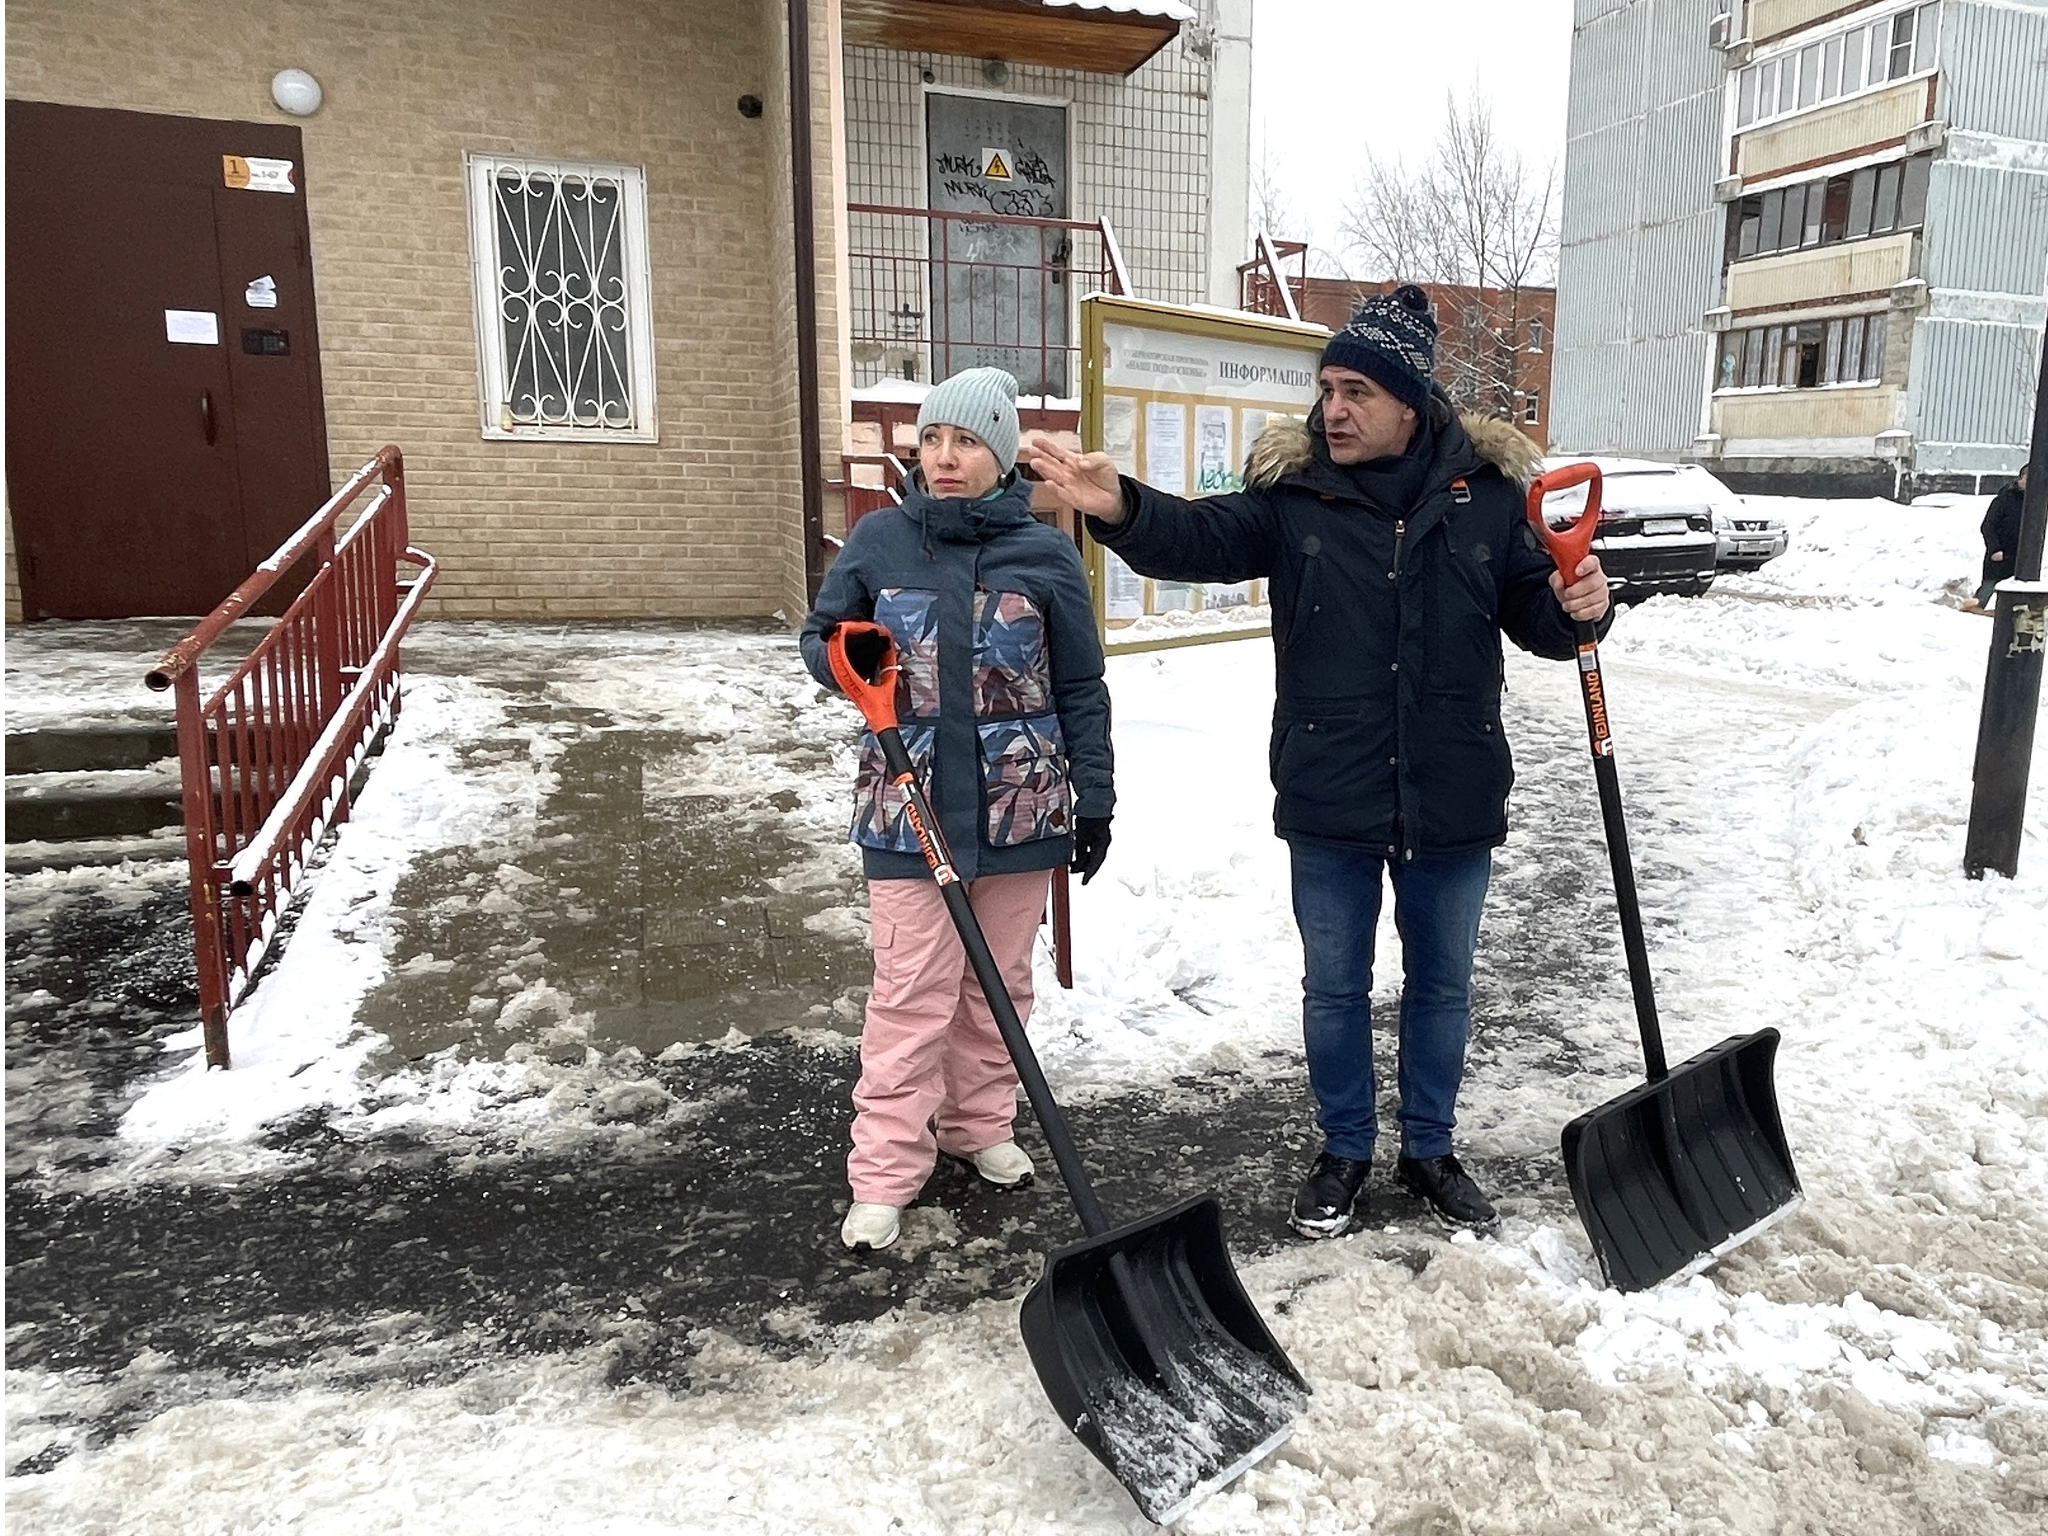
1003 709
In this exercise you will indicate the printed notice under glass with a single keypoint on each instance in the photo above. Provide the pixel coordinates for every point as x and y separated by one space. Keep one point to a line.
1120 432
1166 447
1213 472
1123 589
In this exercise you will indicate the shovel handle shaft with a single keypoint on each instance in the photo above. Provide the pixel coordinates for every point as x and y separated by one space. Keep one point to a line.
1594 692
932 843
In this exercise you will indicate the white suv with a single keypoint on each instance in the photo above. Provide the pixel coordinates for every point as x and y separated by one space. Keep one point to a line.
1656 525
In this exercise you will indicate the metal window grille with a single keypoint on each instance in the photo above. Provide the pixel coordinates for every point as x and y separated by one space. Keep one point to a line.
1139 154
563 313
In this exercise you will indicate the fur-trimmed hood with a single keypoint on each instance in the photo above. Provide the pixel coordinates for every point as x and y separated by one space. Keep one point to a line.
1285 448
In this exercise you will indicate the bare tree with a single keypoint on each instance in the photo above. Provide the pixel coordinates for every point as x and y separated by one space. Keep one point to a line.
1475 218
1272 210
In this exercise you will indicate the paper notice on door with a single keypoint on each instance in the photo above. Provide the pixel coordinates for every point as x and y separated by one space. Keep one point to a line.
1212 451
1123 589
261 293
192 327
1120 432
250 174
1166 447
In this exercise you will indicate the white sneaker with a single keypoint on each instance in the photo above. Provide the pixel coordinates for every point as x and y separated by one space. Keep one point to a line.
869 1227
1004 1165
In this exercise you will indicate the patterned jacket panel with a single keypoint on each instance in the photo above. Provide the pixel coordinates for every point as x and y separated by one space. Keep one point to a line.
1012 675
911 615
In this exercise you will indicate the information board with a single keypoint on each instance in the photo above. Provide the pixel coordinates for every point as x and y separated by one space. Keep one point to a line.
1177 397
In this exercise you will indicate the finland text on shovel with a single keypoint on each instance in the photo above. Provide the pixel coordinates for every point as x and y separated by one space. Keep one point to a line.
1673 1174
1142 1334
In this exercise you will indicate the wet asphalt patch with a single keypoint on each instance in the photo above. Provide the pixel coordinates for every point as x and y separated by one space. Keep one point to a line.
732 1226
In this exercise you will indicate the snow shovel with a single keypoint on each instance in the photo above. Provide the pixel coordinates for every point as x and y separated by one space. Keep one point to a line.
1141 1334
1677 1172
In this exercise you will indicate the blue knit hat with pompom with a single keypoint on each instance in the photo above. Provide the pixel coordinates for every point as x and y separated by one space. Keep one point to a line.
1391 339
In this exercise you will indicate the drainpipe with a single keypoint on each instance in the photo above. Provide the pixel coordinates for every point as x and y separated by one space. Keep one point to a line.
809 432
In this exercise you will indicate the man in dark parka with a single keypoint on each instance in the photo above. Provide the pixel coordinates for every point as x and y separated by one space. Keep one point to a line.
1394 538
2001 532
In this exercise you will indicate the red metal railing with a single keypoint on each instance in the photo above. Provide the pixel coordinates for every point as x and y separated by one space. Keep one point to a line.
1262 288
267 759
863 498
933 291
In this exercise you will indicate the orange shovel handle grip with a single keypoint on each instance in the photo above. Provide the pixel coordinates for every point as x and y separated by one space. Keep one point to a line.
1567 546
877 700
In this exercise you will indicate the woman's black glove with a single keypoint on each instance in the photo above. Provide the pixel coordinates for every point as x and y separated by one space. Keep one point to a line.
1091 845
865 649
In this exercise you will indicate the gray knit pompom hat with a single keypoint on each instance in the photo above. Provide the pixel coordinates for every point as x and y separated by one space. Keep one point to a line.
978 400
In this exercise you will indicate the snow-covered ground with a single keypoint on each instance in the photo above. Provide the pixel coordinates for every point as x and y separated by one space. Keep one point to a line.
1795 749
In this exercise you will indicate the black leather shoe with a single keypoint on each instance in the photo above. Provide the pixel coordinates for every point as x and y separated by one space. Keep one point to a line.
1322 1206
1448 1188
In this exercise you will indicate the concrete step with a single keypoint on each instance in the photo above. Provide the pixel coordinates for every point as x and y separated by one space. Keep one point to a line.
62 806
88 747
25 858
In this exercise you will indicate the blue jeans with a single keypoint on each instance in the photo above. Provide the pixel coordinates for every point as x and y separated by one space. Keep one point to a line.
1436 910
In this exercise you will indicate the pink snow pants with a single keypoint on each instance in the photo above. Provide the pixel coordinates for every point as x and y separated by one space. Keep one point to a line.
930 1054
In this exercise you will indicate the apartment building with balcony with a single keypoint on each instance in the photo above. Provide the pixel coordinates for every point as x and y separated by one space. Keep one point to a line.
1812 247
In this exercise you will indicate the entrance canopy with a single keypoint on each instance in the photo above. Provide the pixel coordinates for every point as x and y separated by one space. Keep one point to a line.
1111 37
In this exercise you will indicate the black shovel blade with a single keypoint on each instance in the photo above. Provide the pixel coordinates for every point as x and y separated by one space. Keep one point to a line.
1673 1174
1154 1356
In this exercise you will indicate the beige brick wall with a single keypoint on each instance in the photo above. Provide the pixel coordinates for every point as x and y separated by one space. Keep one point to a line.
1830 414
1826 133
1769 19
704 523
1819 273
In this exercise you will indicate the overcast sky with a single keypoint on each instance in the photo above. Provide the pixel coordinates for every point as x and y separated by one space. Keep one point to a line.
1332 78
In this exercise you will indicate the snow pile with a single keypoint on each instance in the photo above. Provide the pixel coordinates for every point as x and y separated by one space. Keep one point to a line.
294 1037
1451 1401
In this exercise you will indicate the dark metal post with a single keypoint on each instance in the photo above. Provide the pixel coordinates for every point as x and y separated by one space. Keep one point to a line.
804 213
2012 677
1062 928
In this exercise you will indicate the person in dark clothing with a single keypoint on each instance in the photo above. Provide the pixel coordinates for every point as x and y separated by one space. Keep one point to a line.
2001 539
1394 538
1003 708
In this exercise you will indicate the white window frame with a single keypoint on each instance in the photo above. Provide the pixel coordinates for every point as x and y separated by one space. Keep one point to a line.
481 170
1870 365
1745 82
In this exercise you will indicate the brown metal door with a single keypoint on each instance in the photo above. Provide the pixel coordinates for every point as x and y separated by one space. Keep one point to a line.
148 474
273 360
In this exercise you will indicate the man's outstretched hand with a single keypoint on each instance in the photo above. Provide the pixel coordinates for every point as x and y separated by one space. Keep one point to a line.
1085 481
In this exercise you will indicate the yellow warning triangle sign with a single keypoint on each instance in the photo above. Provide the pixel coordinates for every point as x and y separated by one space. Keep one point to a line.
995 168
